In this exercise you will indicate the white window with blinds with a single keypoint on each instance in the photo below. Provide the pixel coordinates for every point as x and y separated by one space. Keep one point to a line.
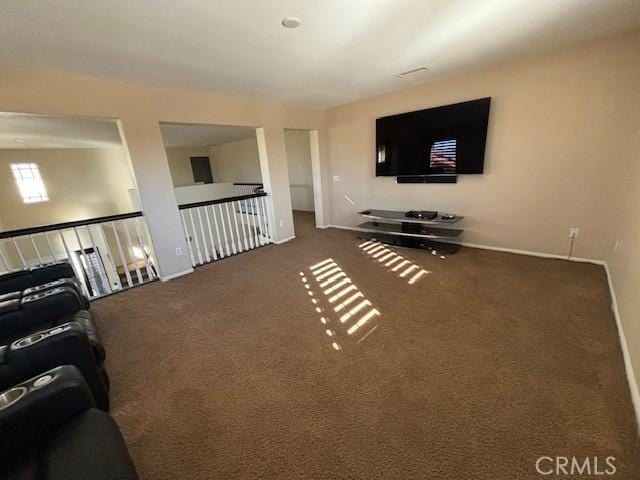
29 181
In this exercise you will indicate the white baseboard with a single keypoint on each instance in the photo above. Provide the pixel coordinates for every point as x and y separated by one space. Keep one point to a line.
533 253
631 378
341 227
628 365
166 278
285 240
501 249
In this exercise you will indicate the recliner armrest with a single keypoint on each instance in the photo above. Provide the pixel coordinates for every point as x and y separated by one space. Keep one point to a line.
85 320
32 410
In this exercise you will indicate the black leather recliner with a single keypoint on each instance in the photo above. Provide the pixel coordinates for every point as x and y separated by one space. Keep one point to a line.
21 314
23 279
66 344
50 430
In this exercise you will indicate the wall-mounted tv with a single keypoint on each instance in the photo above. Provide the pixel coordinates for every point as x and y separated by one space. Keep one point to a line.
442 141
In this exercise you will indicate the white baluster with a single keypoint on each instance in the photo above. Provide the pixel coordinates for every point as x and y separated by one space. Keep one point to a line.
79 275
235 222
213 243
249 218
147 265
24 262
262 233
243 227
254 221
35 248
86 263
110 258
195 236
204 237
130 246
101 272
66 249
123 260
224 232
267 222
53 254
233 243
188 238
7 267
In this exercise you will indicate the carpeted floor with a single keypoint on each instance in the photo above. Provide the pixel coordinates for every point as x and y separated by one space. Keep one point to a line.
483 365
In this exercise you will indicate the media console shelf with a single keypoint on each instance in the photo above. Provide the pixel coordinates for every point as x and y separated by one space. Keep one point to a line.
395 228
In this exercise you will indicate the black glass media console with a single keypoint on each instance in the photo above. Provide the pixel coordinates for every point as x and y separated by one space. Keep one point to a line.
396 228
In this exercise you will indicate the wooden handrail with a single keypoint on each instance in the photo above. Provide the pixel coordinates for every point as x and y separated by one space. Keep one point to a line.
221 200
61 226
112 218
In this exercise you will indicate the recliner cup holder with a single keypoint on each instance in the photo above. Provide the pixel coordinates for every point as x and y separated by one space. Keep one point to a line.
28 341
35 296
41 295
39 336
11 396
43 380
46 286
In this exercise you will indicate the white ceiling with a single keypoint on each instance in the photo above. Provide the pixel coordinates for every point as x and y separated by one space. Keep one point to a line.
19 131
184 135
344 50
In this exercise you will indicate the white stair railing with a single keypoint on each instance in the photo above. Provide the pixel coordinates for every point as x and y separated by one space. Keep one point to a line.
108 254
220 228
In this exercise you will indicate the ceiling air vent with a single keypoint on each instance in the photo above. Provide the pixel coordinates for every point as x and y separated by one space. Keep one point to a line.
412 72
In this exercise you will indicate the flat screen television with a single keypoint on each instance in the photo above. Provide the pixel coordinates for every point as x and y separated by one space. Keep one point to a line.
441 141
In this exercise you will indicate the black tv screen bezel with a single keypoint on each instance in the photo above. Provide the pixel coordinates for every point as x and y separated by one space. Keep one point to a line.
415 118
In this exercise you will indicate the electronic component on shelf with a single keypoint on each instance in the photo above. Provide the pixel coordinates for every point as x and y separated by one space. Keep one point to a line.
421 214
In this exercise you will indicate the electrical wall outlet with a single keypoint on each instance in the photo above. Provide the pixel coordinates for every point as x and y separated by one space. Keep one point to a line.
336 178
573 232
179 251
281 223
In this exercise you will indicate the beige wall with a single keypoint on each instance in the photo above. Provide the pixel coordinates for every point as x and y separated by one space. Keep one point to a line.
236 162
179 159
139 109
299 163
624 262
204 192
81 183
560 125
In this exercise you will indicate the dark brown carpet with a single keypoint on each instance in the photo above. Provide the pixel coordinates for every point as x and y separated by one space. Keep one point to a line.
475 371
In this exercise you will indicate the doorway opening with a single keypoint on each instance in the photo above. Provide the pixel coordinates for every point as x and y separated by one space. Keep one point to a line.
304 178
218 188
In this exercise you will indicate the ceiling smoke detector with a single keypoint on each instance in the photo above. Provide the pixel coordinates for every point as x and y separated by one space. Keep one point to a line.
291 22
412 72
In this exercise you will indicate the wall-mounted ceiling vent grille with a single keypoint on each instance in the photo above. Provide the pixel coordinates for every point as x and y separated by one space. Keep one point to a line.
412 72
